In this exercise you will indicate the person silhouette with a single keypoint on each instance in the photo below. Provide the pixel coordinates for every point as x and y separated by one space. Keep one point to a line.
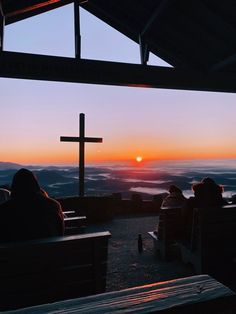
29 213
175 197
207 194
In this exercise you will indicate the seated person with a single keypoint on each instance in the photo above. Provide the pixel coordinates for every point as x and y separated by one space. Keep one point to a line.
30 213
175 197
206 194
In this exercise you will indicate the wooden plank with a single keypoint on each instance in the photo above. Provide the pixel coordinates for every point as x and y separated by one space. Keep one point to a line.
212 249
2 24
18 10
196 294
51 68
74 224
74 221
54 268
69 213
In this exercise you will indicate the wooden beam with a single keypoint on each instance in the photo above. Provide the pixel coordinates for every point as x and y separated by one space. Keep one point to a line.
224 63
161 7
144 52
19 10
2 24
77 29
39 67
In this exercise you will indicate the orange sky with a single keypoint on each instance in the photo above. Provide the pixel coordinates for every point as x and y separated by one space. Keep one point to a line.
67 153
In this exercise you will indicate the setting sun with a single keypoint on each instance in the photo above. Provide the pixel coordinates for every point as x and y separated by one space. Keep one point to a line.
139 158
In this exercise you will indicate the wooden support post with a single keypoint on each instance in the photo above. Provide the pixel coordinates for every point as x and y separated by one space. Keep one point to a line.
81 154
2 24
144 52
77 30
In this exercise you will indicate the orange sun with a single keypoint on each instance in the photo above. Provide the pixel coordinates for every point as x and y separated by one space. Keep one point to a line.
139 158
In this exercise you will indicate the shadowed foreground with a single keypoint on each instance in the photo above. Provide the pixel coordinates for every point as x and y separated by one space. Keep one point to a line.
126 266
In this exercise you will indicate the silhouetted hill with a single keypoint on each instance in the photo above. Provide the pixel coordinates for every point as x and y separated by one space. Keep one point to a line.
127 180
46 177
9 165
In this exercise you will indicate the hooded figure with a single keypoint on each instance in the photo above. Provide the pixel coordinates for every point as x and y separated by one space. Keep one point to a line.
175 197
30 213
207 194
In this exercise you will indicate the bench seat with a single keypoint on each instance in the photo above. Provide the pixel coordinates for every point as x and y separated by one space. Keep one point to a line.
75 224
196 294
69 213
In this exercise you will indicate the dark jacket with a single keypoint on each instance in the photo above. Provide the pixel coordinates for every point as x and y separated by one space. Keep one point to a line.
34 217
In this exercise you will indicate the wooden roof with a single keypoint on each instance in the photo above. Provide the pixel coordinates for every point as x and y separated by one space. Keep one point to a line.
196 37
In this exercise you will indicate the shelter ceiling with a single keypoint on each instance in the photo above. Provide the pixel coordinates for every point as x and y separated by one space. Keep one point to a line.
190 35
198 34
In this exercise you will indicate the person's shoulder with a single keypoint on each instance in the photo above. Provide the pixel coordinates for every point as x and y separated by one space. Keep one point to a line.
52 202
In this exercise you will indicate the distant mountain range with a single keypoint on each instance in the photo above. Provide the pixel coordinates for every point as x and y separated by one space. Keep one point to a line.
9 165
148 180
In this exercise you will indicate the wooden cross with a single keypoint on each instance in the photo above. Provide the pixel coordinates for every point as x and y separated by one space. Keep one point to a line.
81 140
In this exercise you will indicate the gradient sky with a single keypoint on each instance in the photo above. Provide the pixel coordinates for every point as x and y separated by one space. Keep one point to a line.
153 123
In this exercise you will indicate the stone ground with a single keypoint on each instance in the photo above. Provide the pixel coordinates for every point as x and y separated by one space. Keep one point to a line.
126 266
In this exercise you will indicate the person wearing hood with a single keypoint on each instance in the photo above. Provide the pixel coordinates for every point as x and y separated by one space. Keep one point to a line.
175 197
207 194
29 213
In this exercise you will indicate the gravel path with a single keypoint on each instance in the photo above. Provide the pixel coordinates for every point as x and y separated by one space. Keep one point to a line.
126 266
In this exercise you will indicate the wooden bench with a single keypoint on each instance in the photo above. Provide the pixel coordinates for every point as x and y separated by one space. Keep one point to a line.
212 248
69 213
169 226
52 269
197 294
74 225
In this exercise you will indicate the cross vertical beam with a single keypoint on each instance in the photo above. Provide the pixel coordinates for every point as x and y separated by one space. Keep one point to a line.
81 140
2 24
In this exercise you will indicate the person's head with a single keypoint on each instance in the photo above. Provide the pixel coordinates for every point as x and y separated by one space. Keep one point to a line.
174 189
208 181
24 184
207 184
207 191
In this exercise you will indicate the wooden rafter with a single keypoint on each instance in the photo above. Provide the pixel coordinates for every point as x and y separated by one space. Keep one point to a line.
38 67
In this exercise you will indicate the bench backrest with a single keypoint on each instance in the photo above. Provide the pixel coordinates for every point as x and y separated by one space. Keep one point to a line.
215 224
47 270
74 225
213 237
170 223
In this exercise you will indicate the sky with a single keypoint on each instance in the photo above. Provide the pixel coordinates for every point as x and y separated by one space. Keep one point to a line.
151 123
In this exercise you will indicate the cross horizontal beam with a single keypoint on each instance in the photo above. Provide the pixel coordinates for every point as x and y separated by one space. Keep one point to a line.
50 68
80 139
